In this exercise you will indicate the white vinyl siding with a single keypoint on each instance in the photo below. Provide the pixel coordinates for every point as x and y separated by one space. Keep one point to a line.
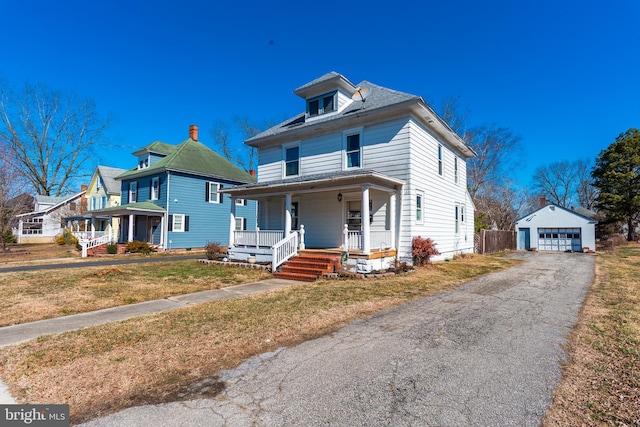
440 196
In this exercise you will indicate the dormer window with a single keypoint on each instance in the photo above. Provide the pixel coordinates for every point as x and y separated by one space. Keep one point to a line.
143 162
321 104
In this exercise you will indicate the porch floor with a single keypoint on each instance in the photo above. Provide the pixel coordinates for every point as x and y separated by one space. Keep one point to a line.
354 253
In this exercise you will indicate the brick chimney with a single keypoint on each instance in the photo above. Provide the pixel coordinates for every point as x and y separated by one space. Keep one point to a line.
193 132
252 172
83 187
543 201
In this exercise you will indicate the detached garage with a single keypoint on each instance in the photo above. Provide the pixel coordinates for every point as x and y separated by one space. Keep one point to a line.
554 228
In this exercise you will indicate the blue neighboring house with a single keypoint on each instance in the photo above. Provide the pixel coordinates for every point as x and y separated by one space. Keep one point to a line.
172 198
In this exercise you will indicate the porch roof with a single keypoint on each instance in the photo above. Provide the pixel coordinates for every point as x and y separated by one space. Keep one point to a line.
148 208
316 183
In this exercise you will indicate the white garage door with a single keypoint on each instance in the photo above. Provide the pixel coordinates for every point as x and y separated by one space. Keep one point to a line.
559 239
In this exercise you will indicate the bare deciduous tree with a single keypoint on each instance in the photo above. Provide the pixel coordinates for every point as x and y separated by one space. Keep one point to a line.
234 149
13 199
566 183
497 150
50 134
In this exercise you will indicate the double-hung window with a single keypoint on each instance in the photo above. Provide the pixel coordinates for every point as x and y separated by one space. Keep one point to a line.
212 192
133 192
457 219
292 161
178 223
353 151
155 188
455 170
419 208
241 223
440 161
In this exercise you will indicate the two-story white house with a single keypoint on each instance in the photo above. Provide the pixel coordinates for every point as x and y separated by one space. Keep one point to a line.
361 171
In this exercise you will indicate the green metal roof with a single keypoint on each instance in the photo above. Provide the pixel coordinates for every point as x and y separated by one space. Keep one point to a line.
155 147
196 158
138 206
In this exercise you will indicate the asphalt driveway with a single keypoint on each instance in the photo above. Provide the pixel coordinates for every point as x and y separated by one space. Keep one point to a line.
486 353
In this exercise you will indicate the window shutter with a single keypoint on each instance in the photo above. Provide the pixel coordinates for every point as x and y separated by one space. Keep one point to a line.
186 223
220 195
159 186
244 223
170 228
150 188
206 191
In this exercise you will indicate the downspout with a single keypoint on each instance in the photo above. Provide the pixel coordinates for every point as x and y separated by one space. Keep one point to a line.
165 226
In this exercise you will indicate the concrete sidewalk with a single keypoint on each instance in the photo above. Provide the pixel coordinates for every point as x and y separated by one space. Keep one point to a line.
16 334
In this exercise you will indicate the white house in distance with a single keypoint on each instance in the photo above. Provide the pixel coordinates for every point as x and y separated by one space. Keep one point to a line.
362 170
48 218
554 228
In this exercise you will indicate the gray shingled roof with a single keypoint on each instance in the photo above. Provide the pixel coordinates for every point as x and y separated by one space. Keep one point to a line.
109 174
379 97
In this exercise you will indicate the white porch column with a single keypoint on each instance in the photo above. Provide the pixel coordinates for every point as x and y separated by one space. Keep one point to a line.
130 236
163 220
93 228
392 219
287 215
112 235
232 223
366 226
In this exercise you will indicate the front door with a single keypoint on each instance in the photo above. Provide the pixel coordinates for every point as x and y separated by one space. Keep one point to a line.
524 239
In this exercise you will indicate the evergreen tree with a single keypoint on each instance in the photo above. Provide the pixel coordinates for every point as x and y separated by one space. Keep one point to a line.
617 177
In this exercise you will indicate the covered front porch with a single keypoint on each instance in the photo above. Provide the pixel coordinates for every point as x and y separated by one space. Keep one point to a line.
142 221
353 214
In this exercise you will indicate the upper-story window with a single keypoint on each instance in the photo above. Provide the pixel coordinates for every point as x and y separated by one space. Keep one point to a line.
419 208
155 188
98 183
321 104
133 192
440 161
455 170
292 161
353 149
212 192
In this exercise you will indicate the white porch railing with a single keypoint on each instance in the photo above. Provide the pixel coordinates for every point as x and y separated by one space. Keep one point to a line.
87 234
92 243
257 238
284 249
379 239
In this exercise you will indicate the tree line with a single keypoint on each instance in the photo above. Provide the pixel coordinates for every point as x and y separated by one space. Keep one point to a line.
48 137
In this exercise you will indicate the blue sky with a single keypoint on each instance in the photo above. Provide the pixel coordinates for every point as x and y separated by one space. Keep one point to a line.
564 75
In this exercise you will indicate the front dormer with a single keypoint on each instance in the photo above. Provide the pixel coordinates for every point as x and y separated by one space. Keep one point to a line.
326 95
152 153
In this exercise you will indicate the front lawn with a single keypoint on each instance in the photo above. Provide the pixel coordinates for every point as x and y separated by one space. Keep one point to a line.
158 358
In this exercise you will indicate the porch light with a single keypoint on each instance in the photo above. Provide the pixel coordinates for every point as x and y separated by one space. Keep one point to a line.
339 197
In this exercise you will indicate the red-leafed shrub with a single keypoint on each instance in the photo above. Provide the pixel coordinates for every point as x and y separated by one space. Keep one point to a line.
422 250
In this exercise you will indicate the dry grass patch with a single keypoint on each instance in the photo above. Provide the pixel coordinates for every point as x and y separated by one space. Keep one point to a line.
601 381
38 251
159 358
37 295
